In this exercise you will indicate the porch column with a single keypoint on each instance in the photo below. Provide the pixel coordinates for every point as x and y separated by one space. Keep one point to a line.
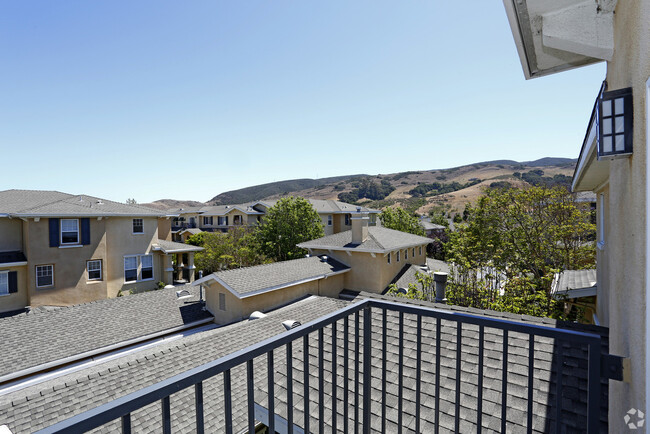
168 270
190 266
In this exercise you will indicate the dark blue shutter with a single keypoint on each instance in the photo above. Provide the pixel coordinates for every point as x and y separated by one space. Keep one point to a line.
54 232
226 220
85 231
13 282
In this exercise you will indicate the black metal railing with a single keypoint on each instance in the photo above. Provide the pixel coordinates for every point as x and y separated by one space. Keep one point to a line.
370 338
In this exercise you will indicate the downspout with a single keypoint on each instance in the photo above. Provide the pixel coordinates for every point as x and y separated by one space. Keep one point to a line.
647 250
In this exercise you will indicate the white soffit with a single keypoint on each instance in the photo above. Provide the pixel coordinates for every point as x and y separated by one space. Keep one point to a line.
590 172
557 35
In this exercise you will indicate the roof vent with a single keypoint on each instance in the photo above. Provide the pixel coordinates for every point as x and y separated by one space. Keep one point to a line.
183 293
99 202
307 255
291 324
358 209
402 291
324 258
81 198
256 315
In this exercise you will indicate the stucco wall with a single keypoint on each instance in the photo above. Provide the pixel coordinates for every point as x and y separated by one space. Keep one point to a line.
11 235
626 246
237 310
71 285
120 242
602 257
165 229
16 300
373 274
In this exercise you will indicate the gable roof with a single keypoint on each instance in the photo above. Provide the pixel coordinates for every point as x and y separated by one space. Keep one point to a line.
249 281
35 340
36 203
174 247
327 206
380 240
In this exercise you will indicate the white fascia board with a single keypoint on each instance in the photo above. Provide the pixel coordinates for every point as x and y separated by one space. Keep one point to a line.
586 154
13 264
516 34
268 289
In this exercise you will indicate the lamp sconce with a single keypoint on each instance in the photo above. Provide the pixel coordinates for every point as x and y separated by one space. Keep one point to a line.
615 126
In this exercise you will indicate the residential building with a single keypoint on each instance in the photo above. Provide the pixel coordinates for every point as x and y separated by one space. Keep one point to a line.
552 37
335 216
60 249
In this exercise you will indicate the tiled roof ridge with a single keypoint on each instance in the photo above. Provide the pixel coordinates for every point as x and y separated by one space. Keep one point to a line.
234 270
90 199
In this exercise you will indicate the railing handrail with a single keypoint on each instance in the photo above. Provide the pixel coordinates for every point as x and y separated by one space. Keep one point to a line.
124 405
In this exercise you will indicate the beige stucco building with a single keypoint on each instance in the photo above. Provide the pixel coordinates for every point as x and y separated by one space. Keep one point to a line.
59 249
364 258
555 36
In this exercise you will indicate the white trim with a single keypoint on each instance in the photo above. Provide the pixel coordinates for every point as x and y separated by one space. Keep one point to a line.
13 264
647 251
586 155
264 290
7 274
76 243
101 274
70 246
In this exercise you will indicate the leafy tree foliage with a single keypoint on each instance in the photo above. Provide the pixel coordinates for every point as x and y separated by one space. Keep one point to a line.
223 251
436 188
536 177
366 188
291 221
400 220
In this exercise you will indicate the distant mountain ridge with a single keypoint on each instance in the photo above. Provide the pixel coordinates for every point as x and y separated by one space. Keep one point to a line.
474 179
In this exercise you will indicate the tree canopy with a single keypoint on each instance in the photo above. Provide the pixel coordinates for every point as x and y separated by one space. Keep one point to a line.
223 251
400 220
291 221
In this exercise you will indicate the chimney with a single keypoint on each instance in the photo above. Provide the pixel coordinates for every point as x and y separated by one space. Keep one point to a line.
359 226
440 280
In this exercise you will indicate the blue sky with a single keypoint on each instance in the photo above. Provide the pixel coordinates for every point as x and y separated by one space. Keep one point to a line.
185 100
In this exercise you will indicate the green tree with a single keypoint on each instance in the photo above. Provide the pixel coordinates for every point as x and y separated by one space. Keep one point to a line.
400 220
291 221
131 201
223 251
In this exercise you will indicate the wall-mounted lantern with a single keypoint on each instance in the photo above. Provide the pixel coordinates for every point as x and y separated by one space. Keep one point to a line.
615 115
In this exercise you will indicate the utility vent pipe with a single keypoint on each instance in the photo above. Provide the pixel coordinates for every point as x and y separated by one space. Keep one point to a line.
440 280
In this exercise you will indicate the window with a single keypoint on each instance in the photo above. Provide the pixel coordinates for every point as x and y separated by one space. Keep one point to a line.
222 301
222 221
397 256
406 254
138 226
389 257
420 251
207 221
130 269
69 231
147 267
237 220
94 269
413 252
44 275
4 283
347 219
131 263
329 220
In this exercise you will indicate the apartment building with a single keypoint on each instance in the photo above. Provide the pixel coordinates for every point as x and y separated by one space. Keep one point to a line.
60 249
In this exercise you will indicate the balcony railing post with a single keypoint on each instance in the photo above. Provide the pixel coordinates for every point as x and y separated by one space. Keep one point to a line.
367 367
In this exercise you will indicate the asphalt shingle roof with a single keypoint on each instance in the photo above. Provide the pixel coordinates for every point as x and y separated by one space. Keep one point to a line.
36 338
57 204
379 239
42 406
258 278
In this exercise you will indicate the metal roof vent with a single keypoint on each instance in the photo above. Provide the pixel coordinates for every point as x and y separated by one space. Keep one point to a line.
99 202
256 315
324 258
183 293
402 291
291 324
358 209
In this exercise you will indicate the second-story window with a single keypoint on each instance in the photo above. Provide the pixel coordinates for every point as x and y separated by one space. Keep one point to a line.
69 231
138 226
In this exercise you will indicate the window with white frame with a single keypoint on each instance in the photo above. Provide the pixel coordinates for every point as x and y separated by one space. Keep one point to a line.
397 255
389 257
147 267
130 269
69 231
138 226
44 275
329 220
4 283
94 269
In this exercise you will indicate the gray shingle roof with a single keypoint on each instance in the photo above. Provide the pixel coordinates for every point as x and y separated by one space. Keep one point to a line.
10 257
329 206
174 247
56 204
253 280
379 239
42 406
34 339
